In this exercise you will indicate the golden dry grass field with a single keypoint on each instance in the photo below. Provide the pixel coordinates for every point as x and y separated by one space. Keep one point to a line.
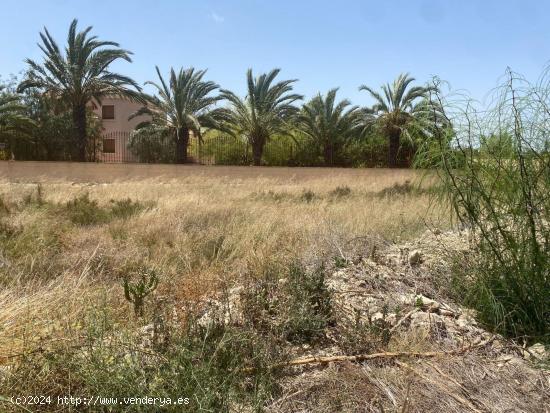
202 226
71 233
255 267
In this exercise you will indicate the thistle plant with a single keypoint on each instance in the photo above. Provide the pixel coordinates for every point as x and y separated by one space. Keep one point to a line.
135 292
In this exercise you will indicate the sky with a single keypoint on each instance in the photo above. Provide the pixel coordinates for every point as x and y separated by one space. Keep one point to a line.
324 44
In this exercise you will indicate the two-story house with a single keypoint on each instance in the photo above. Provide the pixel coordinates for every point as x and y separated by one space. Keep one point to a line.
114 113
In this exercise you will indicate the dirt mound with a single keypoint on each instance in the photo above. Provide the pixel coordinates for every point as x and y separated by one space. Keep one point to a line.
401 344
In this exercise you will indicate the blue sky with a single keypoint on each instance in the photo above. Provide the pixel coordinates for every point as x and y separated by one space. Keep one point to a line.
324 44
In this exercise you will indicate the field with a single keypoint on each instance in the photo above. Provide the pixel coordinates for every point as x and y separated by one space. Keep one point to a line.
72 233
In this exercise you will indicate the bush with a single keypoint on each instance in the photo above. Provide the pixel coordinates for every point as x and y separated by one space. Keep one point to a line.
151 146
502 197
340 192
308 306
296 308
307 196
126 208
216 367
84 211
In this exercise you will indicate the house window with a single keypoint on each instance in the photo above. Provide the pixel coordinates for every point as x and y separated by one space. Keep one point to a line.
108 146
108 112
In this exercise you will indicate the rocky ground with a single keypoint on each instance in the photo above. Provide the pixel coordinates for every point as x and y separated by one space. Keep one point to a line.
400 343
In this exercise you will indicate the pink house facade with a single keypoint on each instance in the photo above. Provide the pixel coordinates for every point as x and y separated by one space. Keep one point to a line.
114 113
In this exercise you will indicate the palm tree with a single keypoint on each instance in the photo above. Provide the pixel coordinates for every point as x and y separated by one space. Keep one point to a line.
183 105
264 111
79 75
13 120
328 123
401 113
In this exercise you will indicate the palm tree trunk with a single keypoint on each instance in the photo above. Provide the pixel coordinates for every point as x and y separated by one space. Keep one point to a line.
79 122
328 154
257 151
394 149
182 142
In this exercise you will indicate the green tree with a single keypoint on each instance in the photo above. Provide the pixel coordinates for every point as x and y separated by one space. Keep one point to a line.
79 75
13 120
329 124
263 113
402 113
183 105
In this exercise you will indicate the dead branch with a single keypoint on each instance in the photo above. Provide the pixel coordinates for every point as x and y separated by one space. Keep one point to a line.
389 355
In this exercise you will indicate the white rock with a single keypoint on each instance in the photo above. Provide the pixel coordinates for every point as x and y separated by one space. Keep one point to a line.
537 351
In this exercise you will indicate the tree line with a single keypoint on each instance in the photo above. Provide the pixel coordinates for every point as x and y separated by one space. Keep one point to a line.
59 90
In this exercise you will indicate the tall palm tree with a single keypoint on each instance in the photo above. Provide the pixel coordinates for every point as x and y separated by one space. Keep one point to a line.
328 123
401 112
263 112
183 105
79 74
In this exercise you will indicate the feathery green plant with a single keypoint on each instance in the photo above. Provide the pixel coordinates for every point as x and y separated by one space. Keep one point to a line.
502 197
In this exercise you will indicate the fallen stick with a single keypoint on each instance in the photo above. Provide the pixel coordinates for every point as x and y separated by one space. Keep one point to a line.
363 357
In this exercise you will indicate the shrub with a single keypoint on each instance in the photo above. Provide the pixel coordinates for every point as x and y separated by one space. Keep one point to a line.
307 305
308 196
216 367
397 189
84 211
340 192
152 146
502 197
296 308
126 208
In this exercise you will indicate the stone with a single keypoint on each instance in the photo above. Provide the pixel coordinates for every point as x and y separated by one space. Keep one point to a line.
537 351
415 257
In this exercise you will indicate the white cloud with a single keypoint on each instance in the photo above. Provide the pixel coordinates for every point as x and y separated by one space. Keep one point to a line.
217 18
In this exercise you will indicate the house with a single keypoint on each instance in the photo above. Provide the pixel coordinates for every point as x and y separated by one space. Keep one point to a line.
114 112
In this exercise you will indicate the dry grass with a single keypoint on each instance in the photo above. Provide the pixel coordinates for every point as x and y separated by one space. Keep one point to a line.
203 232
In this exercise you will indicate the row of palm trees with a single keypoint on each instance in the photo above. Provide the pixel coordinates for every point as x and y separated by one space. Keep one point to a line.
186 103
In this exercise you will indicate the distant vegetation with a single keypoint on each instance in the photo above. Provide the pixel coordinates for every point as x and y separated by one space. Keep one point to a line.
265 127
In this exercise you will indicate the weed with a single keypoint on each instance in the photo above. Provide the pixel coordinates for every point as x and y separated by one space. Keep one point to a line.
296 308
4 209
340 192
135 292
307 305
215 368
340 262
126 208
502 196
36 197
85 211
308 196
397 189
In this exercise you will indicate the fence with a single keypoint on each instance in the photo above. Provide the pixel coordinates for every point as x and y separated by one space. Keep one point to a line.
122 147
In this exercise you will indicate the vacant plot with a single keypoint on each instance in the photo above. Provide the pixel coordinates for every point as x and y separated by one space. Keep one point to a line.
74 237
